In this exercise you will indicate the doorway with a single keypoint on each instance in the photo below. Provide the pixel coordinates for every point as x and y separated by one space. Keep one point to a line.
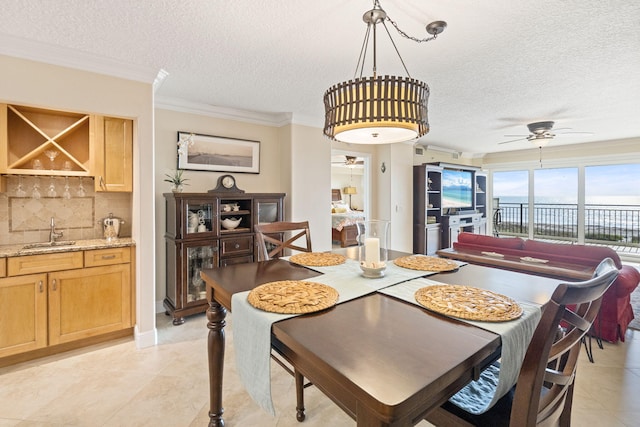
350 174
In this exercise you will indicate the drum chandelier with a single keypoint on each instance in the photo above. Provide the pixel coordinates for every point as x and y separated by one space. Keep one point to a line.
379 109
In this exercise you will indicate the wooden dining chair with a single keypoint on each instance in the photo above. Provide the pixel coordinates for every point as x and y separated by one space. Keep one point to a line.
544 391
273 239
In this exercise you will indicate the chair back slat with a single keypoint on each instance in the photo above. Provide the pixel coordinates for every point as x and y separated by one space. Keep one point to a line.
276 238
544 391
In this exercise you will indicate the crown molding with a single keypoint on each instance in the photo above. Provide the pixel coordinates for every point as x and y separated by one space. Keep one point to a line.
72 58
256 117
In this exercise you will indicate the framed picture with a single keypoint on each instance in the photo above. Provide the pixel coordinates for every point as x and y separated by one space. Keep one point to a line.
217 153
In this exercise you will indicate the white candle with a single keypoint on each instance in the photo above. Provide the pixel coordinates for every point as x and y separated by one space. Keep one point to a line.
372 251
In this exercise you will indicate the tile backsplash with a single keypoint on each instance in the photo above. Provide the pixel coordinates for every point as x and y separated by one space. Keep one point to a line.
76 208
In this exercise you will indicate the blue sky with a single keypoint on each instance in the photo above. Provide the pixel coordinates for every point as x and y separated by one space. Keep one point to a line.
603 184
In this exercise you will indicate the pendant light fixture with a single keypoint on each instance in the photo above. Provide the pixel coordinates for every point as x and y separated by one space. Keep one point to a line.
379 109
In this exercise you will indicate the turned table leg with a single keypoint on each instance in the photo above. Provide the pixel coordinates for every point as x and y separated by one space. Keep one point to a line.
216 314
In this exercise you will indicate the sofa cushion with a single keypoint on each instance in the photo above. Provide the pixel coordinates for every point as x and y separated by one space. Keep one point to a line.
594 254
494 242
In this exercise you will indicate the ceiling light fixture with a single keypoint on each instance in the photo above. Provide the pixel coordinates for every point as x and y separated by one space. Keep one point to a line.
379 109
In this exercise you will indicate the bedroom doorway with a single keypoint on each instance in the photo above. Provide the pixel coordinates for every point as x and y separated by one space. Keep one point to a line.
350 187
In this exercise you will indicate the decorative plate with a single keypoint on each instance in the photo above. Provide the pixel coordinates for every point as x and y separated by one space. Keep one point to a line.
292 297
426 263
317 259
466 302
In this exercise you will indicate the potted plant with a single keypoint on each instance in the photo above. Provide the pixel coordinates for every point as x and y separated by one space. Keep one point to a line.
177 180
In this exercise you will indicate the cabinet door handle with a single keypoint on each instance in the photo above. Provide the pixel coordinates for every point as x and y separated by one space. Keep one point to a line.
55 284
108 256
102 182
237 246
40 286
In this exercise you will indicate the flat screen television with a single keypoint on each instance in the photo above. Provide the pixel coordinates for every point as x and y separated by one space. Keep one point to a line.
457 189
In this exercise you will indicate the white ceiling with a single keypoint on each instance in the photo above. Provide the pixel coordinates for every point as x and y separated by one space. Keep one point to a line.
499 65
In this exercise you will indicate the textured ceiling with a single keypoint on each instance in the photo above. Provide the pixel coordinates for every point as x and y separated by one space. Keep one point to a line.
499 65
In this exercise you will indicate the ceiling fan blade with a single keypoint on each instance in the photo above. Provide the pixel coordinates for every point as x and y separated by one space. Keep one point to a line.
574 133
516 136
513 140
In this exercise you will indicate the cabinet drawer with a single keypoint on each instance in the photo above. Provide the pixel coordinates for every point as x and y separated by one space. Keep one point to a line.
108 256
3 267
236 260
236 246
44 263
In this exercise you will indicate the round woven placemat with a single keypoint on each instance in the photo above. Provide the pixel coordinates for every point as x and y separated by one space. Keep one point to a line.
425 263
466 302
317 259
292 297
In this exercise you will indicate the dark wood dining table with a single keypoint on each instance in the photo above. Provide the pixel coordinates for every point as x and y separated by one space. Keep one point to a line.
384 361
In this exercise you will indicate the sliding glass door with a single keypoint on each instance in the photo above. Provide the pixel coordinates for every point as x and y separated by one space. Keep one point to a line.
585 204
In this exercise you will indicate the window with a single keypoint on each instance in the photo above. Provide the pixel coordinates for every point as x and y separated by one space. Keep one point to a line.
585 204
612 203
511 202
555 200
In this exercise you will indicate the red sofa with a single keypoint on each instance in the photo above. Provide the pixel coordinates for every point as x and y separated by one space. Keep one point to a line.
616 311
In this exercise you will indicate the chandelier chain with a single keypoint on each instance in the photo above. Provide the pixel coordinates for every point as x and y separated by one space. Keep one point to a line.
407 36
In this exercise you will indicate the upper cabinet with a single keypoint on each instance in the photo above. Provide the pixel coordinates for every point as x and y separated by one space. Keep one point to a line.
37 141
112 141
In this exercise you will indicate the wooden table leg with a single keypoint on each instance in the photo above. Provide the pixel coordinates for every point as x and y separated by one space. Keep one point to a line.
216 314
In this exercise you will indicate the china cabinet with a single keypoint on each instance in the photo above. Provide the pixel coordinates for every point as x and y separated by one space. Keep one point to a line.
209 230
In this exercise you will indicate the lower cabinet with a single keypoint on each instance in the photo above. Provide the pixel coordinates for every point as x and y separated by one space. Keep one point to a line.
89 302
23 314
59 306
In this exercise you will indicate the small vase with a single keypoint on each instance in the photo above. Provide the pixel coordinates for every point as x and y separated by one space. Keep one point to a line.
177 188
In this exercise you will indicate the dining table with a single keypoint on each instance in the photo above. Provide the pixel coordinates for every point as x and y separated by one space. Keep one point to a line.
381 359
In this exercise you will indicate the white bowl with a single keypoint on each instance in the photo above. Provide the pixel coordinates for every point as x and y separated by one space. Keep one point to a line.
231 223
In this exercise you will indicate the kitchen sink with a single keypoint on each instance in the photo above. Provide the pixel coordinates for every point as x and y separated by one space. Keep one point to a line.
49 244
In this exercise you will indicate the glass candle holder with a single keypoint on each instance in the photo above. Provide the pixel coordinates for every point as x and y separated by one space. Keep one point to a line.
373 247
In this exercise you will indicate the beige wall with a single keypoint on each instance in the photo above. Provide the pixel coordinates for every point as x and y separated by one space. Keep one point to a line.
49 86
168 123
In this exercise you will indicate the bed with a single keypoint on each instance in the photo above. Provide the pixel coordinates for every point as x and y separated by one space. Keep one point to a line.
343 221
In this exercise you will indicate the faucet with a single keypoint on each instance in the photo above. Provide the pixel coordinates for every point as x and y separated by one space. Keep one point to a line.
53 234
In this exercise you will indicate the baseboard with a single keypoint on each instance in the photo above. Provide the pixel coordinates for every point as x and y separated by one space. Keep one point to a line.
146 339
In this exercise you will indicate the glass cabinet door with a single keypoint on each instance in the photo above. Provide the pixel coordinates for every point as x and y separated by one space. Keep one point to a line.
200 216
267 210
197 258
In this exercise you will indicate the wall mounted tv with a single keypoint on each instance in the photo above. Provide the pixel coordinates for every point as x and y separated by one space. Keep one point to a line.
457 189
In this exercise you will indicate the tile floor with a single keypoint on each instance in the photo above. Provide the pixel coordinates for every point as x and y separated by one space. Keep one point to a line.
115 384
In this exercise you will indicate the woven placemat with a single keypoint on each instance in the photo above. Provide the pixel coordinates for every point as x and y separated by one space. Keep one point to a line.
466 302
292 297
317 259
425 263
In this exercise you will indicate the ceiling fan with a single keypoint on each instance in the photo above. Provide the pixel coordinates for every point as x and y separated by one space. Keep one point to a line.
541 133
349 161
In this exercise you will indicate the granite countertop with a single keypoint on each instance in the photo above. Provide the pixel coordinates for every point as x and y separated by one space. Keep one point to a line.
79 245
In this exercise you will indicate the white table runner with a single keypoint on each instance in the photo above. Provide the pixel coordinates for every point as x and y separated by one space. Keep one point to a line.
252 327
478 396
